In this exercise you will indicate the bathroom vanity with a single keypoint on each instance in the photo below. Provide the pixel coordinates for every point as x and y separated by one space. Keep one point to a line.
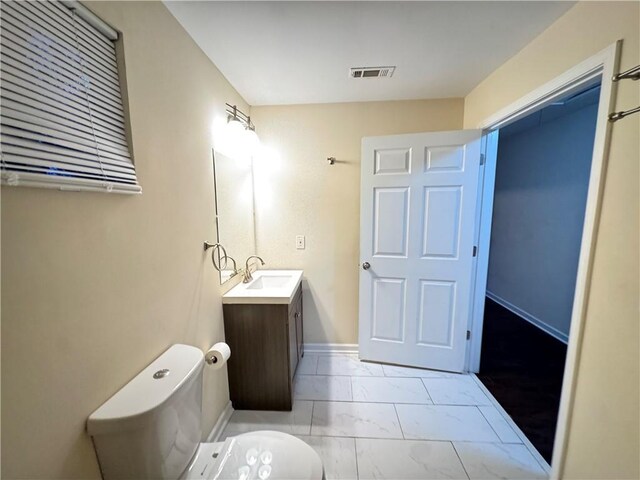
264 327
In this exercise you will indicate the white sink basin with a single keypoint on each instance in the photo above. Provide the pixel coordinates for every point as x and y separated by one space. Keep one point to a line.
269 281
267 286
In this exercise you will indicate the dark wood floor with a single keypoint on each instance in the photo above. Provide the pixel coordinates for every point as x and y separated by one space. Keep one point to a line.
522 367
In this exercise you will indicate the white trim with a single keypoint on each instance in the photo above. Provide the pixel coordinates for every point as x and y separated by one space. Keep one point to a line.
603 64
533 320
610 59
525 441
572 81
221 423
328 348
483 235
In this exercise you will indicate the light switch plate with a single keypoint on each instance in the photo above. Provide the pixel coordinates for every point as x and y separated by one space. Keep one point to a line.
300 242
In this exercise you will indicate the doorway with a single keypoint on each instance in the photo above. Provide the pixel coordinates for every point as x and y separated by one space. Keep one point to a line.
599 68
541 186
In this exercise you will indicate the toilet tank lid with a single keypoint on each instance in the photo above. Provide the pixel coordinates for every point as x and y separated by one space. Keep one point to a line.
149 389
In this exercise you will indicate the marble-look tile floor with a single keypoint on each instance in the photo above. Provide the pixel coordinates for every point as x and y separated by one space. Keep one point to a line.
369 421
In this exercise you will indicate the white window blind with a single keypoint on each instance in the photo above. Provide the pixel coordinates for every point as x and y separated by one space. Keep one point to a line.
62 120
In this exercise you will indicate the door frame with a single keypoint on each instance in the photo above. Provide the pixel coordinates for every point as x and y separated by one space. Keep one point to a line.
603 66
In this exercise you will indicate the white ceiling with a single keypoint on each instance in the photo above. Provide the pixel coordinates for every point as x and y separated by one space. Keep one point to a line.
301 52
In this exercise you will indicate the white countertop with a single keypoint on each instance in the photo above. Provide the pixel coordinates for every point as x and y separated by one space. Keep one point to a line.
267 287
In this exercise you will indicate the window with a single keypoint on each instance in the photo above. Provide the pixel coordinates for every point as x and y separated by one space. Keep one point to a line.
62 116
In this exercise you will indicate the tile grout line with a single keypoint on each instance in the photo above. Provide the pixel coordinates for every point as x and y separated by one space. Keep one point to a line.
351 388
460 459
419 440
355 454
375 376
443 375
489 423
313 407
394 403
395 409
428 393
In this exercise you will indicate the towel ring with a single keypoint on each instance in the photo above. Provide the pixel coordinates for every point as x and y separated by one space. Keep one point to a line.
215 247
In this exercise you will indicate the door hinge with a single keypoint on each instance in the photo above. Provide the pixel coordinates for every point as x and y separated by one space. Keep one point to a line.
468 334
475 250
482 159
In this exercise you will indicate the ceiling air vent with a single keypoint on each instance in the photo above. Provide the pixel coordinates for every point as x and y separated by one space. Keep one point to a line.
371 72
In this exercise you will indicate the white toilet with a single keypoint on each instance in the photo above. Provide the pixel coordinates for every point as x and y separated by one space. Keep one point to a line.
151 429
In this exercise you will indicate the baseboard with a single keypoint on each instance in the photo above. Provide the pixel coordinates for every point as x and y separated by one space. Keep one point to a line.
554 332
328 348
221 423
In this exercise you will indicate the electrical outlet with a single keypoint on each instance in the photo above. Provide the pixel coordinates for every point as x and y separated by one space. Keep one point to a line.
300 242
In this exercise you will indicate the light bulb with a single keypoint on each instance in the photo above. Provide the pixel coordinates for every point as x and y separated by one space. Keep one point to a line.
251 142
235 130
233 138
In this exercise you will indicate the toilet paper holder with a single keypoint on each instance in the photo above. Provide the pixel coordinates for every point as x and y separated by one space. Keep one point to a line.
217 355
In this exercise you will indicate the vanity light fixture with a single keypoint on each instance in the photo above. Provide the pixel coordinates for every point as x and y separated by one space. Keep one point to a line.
238 117
242 130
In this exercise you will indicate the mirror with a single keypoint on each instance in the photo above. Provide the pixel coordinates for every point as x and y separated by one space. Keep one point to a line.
233 182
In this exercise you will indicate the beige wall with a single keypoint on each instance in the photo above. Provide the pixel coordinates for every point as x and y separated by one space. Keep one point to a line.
603 436
85 307
95 286
298 193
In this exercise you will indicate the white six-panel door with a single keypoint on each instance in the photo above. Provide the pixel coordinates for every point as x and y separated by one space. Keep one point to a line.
417 221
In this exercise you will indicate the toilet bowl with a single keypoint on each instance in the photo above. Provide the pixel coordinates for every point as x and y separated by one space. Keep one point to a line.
151 429
257 455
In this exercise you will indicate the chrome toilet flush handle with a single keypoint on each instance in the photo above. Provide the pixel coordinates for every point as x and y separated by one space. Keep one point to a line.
161 373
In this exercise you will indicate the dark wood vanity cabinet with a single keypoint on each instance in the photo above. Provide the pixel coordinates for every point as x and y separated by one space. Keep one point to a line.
266 345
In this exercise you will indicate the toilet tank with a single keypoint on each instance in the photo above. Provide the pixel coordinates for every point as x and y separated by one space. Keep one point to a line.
151 428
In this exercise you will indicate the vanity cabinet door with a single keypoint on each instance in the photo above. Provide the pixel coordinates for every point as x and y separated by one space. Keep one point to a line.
299 333
260 337
266 344
293 344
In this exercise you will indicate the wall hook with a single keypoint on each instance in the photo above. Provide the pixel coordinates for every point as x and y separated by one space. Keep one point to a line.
632 73
331 160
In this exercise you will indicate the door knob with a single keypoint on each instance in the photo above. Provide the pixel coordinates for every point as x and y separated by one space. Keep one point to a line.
366 266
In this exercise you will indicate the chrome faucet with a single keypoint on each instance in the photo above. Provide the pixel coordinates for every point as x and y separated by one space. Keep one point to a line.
247 269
